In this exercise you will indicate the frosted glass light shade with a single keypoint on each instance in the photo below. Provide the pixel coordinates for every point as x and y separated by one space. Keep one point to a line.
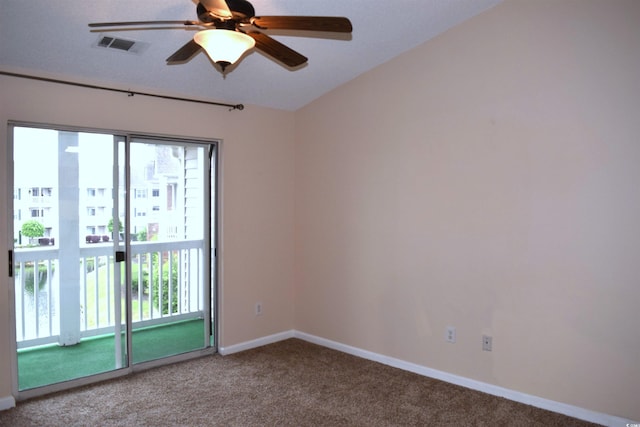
224 47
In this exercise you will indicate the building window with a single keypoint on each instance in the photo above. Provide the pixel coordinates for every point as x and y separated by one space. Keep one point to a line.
155 192
35 213
91 192
91 211
171 196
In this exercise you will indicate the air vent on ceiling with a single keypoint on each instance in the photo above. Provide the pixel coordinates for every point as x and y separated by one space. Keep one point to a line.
124 45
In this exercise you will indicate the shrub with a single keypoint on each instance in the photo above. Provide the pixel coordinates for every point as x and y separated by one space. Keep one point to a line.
135 285
136 275
29 277
164 304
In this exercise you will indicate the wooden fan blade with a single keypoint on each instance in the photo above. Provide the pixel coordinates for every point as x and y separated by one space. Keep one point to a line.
137 23
185 53
277 50
217 7
305 23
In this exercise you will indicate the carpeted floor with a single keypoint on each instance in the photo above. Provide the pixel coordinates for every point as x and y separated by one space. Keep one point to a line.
290 383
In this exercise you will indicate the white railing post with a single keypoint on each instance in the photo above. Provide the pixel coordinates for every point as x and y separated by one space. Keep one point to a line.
68 242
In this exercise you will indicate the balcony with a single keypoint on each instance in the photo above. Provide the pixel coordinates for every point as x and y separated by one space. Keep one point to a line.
39 302
159 299
70 294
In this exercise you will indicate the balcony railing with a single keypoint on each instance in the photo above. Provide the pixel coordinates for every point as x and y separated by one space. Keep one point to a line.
166 286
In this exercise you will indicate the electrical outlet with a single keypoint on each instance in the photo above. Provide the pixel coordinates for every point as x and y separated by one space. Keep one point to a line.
258 309
450 334
487 343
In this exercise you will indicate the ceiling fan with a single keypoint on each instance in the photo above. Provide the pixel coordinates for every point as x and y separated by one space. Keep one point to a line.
229 28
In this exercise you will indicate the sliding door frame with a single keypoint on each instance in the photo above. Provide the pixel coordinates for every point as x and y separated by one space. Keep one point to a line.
211 292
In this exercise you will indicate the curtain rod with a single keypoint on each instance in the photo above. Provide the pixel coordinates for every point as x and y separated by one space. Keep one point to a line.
128 92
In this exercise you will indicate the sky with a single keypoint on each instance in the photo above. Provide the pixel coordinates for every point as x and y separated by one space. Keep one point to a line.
35 154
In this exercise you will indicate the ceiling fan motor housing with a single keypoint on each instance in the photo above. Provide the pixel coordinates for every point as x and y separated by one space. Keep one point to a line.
240 9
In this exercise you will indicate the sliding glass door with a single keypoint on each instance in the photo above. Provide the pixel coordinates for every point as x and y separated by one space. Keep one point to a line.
111 255
168 238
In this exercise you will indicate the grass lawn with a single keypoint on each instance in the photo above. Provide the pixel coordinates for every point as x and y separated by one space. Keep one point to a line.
100 283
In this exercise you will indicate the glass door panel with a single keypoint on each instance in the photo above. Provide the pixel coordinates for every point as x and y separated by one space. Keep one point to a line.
113 260
169 248
69 303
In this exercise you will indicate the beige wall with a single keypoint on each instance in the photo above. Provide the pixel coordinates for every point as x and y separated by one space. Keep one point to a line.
488 180
257 180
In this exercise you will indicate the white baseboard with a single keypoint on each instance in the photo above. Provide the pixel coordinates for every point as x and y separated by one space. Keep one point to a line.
516 396
259 342
538 402
7 403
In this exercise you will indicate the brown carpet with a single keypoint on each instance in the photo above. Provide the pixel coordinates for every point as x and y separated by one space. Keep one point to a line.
290 383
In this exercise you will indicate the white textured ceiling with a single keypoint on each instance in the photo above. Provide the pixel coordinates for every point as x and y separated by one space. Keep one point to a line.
51 39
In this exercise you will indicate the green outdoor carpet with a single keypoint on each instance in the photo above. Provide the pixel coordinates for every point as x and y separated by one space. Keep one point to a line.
51 364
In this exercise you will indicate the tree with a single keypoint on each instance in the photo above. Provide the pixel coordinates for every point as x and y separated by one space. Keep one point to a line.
32 228
110 225
142 235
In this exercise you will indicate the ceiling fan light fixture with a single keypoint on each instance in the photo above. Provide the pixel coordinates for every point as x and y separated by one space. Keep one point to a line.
224 47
